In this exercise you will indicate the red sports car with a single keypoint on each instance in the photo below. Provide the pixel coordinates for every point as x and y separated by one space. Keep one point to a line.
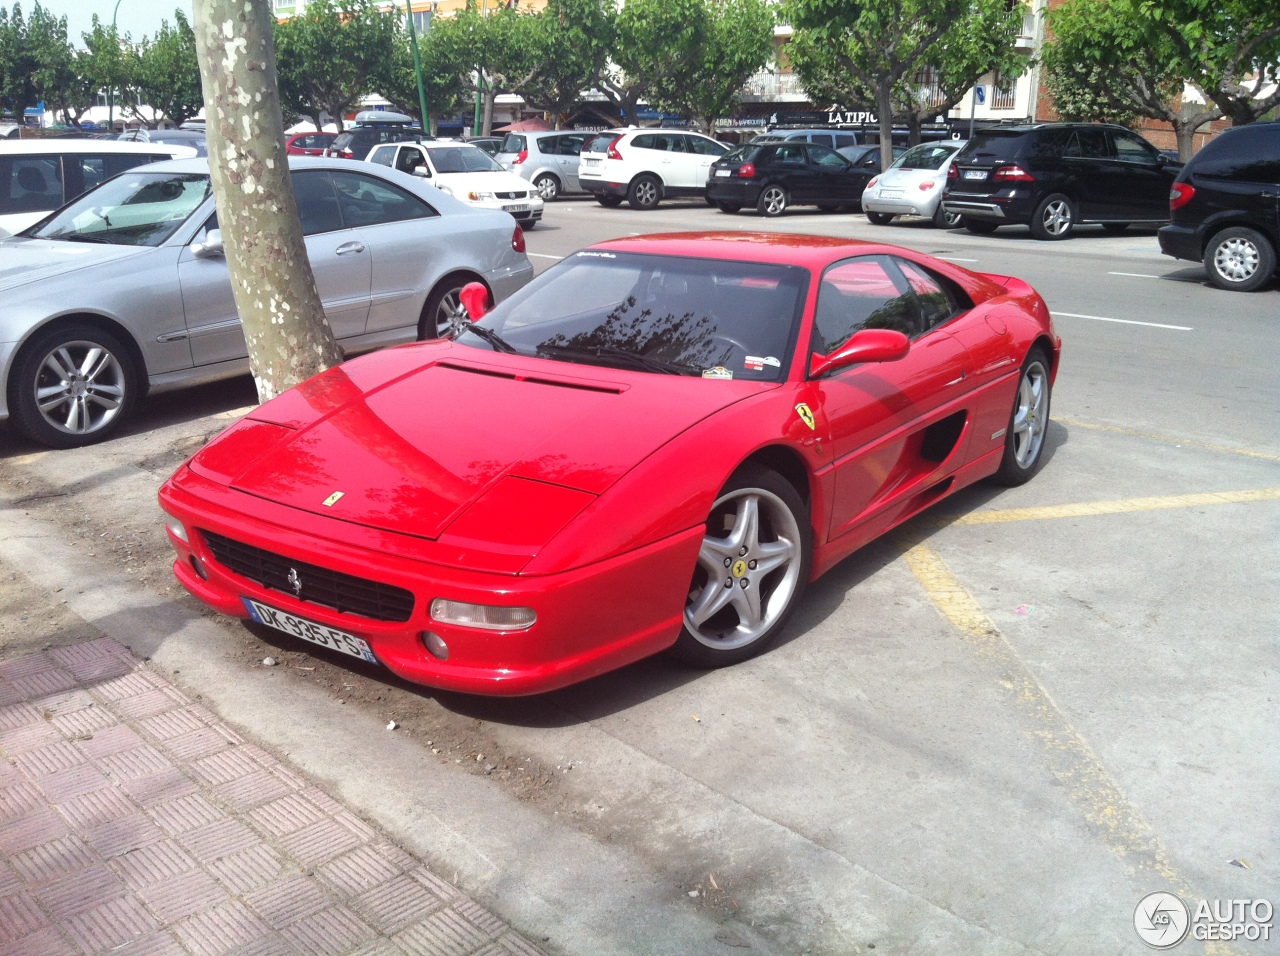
656 444
308 144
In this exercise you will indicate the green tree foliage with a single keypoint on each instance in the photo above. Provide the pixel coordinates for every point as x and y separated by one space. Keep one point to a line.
59 77
441 77
498 53
167 75
331 56
654 41
877 44
109 62
572 41
18 62
737 41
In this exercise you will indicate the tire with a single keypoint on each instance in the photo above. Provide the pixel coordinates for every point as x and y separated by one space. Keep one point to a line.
879 218
1239 259
1028 422
442 306
89 380
1114 228
945 220
729 207
645 192
548 187
609 202
979 227
773 201
735 620
1054 218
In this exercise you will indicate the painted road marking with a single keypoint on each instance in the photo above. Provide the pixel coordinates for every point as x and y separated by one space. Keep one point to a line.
1071 760
1119 506
1188 442
543 255
1103 318
1136 275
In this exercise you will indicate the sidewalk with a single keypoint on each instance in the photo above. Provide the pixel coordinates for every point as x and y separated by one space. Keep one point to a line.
134 821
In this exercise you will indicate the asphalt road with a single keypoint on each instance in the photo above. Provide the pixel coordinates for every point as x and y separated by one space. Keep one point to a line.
993 731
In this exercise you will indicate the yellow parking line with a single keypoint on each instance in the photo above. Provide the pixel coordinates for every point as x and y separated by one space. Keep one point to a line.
1072 761
1185 442
1120 506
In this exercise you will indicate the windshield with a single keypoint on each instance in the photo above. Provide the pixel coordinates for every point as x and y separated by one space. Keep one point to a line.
659 313
134 209
925 156
462 159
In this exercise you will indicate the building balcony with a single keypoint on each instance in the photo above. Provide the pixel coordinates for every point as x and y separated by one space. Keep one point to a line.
767 87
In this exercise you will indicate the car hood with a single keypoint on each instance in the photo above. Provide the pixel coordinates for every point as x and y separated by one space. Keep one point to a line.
462 183
411 449
32 260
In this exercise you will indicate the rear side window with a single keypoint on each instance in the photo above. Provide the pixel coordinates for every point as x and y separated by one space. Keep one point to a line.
706 147
661 142
821 156
383 155
513 143
601 143
343 140
30 184
990 145
1088 144
1250 154
822 139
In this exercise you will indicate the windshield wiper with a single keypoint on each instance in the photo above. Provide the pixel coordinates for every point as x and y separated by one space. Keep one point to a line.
493 338
79 237
635 359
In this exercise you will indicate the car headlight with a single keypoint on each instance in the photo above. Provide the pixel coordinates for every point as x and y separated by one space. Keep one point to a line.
176 527
480 197
486 616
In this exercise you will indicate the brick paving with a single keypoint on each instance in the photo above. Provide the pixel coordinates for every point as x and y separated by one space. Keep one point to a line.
134 821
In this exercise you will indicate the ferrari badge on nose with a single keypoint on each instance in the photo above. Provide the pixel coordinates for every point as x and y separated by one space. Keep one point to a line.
806 415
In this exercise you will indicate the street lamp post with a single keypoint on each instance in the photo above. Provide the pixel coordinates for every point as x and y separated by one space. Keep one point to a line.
111 86
417 67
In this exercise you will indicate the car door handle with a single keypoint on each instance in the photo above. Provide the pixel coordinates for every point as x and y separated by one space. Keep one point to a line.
349 249
955 381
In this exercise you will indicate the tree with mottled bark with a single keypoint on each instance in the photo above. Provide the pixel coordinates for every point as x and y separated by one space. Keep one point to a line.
285 329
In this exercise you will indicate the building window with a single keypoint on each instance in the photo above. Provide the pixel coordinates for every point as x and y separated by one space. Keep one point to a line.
421 20
1004 93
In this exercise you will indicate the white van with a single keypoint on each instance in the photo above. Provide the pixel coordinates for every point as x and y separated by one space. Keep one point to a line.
39 175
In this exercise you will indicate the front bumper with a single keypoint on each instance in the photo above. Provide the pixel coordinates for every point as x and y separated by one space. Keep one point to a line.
1181 242
532 211
590 620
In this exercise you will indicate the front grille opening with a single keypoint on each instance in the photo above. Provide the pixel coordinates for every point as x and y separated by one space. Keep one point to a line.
333 589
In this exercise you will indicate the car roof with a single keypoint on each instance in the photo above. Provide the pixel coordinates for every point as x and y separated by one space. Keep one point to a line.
782 248
50 145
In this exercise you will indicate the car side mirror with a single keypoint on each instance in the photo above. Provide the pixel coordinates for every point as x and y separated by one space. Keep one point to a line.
869 345
422 171
475 299
211 248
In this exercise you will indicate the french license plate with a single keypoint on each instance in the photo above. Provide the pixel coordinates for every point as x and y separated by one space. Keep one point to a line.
891 194
975 174
321 634
723 172
592 162
518 208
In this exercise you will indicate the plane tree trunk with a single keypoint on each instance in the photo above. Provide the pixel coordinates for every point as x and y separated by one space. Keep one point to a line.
288 336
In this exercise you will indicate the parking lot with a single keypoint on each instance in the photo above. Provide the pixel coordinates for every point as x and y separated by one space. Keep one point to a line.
993 731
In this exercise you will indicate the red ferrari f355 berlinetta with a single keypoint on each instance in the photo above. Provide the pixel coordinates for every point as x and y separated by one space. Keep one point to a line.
654 445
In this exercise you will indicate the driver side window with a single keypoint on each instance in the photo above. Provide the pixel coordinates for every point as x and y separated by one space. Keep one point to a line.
863 293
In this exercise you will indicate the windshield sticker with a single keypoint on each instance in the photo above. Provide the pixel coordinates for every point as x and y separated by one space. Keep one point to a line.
756 363
806 415
599 255
718 372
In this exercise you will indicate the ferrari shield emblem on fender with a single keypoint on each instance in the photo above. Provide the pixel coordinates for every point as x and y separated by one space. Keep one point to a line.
806 415
333 498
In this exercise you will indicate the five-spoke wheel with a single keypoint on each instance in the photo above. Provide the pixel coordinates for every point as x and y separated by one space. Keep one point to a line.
773 201
444 308
1029 422
1054 218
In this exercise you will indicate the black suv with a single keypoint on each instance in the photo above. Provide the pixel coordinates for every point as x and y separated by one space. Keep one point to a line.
1055 176
373 128
1225 207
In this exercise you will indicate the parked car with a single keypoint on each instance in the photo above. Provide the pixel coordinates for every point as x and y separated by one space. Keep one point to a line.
308 144
644 166
169 137
465 173
373 128
773 177
656 444
548 160
913 185
143 301
1057 176
489 144
831 138
39 175
1225 208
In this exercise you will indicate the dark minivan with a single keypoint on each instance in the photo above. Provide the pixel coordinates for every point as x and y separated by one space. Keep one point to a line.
1056 176
1225 207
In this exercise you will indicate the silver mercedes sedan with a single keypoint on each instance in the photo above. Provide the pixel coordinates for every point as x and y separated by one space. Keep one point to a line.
125 290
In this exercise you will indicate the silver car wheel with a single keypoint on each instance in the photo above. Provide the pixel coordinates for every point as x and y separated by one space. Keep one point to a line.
951 219
646 193
1236 259
751 560
548 188
79 387
450 313
1056 217
773 201
1030 419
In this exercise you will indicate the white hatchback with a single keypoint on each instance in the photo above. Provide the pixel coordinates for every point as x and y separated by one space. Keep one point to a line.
644 166
39 175
466 173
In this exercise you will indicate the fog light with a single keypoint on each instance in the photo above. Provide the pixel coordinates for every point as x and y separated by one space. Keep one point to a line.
176 528
436 645
482 615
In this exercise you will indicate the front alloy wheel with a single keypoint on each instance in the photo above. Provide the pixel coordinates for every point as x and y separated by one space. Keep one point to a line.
752 566
1239 259
1029 423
